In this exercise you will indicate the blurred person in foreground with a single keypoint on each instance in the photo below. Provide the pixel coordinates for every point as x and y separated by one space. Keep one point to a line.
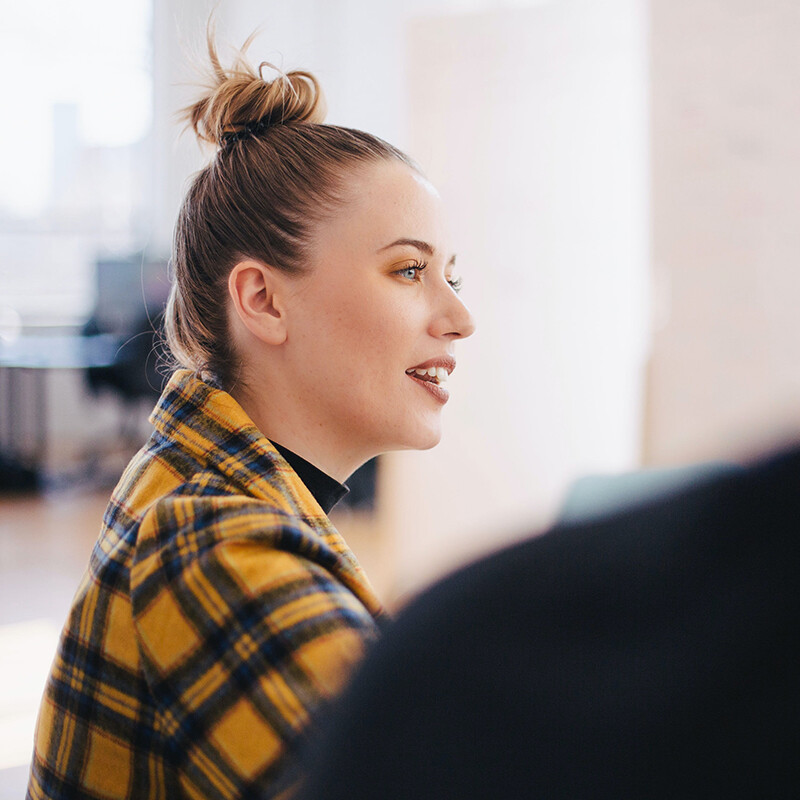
313 317
650 653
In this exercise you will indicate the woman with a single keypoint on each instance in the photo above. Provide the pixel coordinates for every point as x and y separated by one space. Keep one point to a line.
314 313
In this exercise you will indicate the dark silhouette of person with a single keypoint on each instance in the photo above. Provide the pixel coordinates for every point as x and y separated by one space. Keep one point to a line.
649 653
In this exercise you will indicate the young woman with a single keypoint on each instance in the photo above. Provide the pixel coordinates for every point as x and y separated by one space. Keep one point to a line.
314 314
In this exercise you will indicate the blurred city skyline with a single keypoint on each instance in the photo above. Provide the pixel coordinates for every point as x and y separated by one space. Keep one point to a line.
71 81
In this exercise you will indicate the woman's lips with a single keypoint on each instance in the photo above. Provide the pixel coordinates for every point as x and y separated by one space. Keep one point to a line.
432 375
434 389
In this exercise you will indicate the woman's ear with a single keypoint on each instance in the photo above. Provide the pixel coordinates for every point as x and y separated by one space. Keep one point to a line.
257 294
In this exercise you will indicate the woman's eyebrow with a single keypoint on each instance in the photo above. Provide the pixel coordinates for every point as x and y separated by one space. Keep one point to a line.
420 245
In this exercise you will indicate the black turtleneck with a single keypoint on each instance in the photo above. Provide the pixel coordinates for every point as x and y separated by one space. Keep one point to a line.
327 491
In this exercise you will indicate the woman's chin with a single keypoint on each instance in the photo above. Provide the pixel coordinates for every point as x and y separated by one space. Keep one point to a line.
420 433
431 443
424 439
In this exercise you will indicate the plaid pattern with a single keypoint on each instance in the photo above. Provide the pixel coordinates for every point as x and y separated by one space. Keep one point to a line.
219 610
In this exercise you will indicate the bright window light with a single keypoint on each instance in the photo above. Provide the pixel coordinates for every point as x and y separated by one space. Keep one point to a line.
88 57
75 160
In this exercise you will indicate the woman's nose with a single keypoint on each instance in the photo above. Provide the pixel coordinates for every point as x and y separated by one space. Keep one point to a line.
453 319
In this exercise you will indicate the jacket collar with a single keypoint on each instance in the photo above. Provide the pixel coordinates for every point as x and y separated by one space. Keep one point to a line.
214 431
208 424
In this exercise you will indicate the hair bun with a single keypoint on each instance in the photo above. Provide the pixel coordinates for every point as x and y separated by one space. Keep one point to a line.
239 102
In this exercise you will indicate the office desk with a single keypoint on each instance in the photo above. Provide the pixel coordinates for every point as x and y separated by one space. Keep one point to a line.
24 364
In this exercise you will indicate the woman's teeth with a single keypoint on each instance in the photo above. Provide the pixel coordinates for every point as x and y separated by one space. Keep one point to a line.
437 374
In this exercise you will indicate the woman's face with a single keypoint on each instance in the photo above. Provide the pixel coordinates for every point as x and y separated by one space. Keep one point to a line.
376 308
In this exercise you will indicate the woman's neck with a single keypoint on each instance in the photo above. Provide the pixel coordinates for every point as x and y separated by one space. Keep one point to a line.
307 438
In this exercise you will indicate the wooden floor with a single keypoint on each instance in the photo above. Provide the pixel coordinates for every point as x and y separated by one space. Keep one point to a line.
45 542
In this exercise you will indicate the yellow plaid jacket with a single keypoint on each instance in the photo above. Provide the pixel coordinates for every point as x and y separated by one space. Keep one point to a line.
219 611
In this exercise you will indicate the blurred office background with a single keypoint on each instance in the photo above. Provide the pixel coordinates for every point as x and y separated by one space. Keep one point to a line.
622 178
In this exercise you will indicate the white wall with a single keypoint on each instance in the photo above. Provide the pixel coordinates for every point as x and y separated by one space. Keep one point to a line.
178 38
725 377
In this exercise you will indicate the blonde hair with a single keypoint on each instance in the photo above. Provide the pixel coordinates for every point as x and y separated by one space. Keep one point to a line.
277 172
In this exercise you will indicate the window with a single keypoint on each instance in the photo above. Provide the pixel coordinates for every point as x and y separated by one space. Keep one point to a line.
74 160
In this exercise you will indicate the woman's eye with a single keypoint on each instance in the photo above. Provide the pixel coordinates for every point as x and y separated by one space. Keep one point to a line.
412 272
